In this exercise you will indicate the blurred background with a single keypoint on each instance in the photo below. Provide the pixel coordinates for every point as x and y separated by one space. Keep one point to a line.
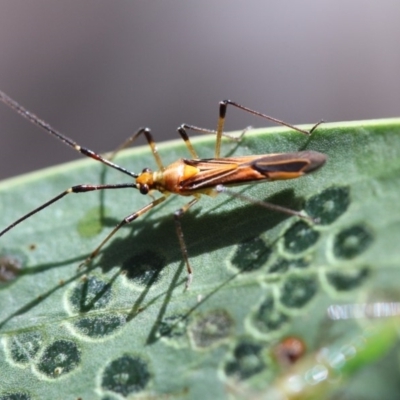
97 70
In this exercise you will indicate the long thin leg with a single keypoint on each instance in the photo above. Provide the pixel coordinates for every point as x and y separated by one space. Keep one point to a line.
73 189
221 122
185 137
177 216
269 206
49 129
125 221
149 137
182 130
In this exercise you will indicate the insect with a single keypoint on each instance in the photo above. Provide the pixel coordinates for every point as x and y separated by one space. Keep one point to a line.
186 177
289 350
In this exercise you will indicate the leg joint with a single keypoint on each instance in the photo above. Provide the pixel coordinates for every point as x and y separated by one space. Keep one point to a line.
178 213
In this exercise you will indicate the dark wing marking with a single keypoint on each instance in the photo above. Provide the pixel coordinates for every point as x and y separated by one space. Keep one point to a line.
248 169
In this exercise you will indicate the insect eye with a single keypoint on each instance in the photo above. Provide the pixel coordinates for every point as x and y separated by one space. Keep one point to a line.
146 170
144 189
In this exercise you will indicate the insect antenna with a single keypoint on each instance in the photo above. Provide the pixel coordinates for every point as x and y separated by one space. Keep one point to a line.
49 129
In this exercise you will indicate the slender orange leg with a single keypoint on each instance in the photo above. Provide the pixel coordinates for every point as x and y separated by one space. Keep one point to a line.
125 221
184 127
149 137
177 216
223 105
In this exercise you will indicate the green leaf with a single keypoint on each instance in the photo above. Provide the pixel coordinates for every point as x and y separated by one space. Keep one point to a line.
262 279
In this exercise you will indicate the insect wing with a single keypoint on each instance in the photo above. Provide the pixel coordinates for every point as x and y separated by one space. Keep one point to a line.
248 169
288 165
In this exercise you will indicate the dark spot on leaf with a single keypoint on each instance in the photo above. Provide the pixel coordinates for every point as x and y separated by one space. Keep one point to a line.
92 294
59 358
247 361
11 264
348 280
267 318
328 205
352 241
126 375
212 328
25 346
173 326
297 291
15 396
251 254
144 268
282 265
299 237
100 326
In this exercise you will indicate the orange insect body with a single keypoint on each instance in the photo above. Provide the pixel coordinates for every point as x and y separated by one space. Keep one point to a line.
188 177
